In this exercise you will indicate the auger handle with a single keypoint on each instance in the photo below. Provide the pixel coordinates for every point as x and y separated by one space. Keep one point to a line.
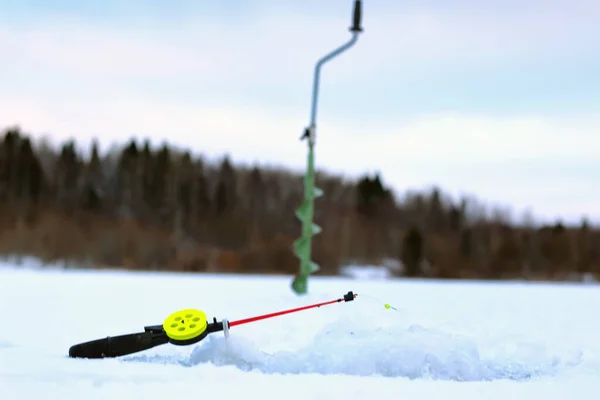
357 17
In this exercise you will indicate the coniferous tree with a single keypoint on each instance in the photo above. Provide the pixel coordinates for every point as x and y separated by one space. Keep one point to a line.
67 175
93 193
8 163
225 194
413 252
30 178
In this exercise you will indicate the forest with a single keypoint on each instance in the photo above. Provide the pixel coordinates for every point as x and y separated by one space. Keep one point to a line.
150 207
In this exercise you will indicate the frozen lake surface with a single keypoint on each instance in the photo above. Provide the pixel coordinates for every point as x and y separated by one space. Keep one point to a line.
447 340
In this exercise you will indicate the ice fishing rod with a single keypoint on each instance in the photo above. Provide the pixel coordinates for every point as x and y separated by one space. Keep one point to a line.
181 328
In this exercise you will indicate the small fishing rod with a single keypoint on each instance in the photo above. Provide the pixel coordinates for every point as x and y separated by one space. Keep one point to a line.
181 328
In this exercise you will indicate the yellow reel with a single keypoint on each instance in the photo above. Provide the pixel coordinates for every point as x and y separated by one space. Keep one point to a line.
185 327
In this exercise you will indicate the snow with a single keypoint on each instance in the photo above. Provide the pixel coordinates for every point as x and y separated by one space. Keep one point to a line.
366 272
448 340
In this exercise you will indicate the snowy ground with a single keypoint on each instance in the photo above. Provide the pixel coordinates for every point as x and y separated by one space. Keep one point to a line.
446 341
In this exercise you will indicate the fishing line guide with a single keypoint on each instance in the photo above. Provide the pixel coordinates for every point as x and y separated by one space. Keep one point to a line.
181 328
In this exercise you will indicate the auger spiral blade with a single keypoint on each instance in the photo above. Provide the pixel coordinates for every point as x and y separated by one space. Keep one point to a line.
305 213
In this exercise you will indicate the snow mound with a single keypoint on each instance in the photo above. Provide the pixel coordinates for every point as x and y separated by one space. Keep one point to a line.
413 352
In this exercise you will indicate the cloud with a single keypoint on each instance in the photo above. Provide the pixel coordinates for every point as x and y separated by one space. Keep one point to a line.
282 45
451 138
465 139
242 86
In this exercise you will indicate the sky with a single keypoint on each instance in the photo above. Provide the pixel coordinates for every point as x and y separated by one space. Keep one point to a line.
499 99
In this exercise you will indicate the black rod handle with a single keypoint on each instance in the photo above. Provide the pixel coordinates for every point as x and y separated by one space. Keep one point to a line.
356 17
117 346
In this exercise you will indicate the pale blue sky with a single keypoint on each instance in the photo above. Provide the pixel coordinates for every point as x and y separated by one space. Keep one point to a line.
497 99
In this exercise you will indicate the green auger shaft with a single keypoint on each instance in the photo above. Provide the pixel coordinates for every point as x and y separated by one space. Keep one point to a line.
305 213
303 245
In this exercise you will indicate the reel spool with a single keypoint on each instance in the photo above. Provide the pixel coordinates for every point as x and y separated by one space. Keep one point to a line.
185 327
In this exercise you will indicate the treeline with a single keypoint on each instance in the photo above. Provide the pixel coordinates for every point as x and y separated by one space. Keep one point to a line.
148 207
